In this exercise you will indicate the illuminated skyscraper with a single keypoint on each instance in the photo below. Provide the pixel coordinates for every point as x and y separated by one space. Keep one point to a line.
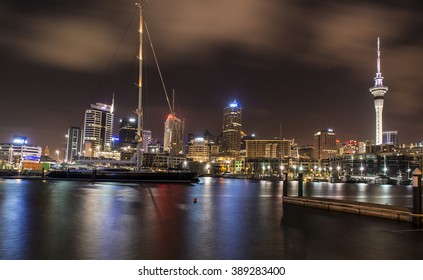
127 132
127 140
146 139
98 129
324 144
173 135
378 92
231 138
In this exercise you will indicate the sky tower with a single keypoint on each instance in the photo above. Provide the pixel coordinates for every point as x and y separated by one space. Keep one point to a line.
378 92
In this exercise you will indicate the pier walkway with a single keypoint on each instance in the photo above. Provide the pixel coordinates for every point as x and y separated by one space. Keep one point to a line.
402 214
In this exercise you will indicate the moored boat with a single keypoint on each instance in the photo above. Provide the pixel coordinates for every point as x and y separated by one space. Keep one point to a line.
126 175
120 175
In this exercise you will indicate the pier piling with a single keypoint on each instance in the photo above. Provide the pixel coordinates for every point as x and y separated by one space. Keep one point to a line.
285 184
417 197
300 184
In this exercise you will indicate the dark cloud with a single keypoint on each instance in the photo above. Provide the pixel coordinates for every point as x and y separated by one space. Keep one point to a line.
305 65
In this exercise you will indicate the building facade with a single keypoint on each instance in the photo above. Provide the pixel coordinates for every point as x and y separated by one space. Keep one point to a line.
275 149
127 141
98 129
324 144
15 155
146 139
173 135
390 137
232 126
127 132
73 144
199 150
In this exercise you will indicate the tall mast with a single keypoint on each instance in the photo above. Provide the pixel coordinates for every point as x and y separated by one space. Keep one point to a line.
139 109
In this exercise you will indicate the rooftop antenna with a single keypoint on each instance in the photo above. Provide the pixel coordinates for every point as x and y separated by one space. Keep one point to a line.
378 78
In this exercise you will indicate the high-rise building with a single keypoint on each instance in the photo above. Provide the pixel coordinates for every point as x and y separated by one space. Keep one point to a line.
173 135
244 138
378 92
127 140
390 137
199 150
127 132
146 139
98 129
276 149
231 136
324 144
73 144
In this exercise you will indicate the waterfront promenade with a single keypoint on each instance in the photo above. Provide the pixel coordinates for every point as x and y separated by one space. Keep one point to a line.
364 204
214 219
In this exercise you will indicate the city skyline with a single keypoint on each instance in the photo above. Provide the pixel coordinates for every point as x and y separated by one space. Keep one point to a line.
303 76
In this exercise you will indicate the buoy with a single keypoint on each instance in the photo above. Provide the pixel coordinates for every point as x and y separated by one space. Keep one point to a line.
195 200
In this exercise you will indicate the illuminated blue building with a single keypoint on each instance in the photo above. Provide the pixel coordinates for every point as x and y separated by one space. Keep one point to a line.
13 155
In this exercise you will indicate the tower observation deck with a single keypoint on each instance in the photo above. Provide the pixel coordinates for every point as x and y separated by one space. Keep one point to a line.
378 92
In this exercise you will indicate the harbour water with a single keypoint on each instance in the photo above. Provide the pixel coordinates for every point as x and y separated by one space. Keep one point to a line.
214 219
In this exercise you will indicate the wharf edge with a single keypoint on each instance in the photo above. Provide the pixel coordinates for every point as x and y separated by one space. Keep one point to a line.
402 214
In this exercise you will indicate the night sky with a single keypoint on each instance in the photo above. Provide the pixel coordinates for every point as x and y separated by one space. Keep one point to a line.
302 66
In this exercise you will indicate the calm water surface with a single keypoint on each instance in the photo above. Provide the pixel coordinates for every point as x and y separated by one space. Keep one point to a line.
232 219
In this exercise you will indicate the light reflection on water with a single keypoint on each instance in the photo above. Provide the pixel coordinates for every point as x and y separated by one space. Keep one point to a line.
232 219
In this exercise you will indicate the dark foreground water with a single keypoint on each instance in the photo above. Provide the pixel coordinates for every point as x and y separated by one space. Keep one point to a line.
232 219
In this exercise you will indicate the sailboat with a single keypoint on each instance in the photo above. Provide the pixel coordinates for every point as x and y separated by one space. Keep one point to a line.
140 174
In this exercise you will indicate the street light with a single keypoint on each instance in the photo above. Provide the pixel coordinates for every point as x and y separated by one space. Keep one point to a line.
57 155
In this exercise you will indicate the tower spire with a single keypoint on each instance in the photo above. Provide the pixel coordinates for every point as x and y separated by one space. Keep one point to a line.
378 54
378 78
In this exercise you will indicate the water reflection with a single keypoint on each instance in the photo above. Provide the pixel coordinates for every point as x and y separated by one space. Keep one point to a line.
381 194
231 219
